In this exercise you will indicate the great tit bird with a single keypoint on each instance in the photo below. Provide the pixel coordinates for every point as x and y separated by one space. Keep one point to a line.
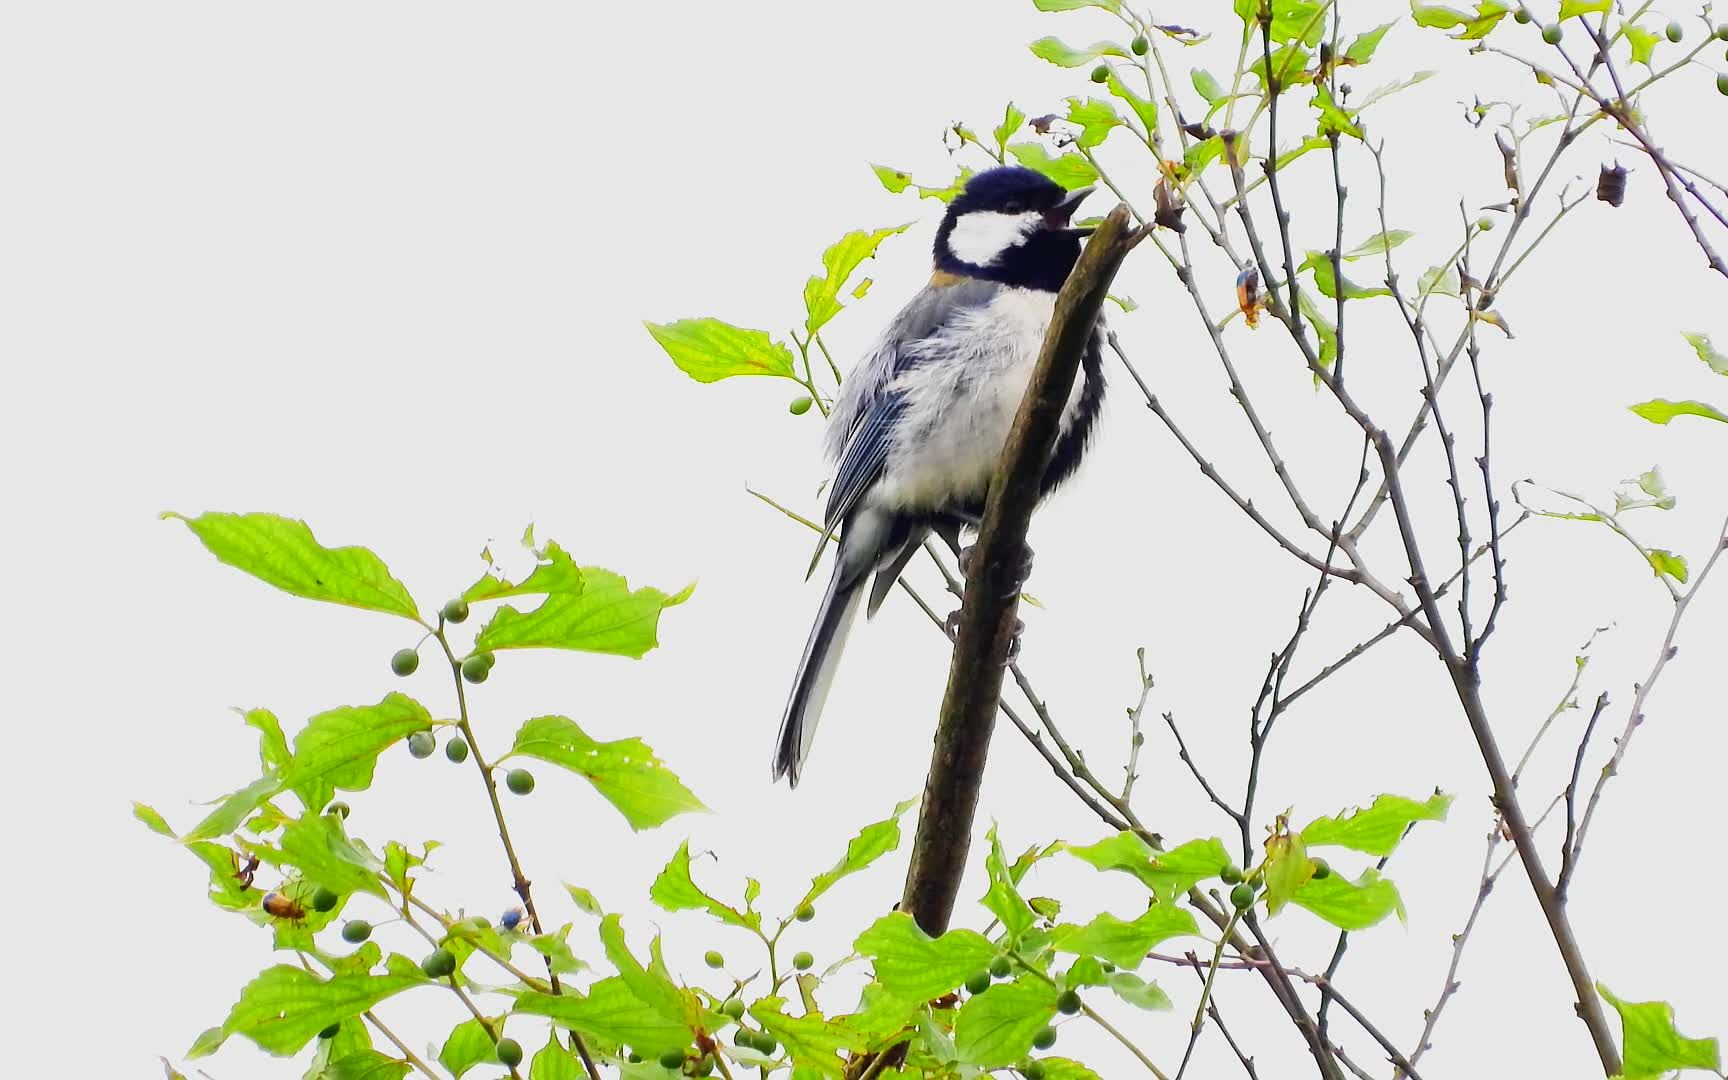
918 425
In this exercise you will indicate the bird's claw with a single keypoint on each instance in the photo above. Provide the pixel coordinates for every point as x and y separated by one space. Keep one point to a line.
951 626
1022 569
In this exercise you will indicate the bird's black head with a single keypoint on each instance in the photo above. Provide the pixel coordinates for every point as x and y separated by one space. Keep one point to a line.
1010 224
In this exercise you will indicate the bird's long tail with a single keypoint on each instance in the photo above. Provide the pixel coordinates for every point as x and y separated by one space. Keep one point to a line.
840 604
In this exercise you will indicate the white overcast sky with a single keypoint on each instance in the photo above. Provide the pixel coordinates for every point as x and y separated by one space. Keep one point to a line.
384 266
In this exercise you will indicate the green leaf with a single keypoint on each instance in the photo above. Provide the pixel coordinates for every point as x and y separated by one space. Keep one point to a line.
812 1041
340 748
1096 119
273 751
233 809
1387 90
1168 874
285 1007
605 617
1206 85
1288 867
468 1045
1572 8
610 1012
152 820
1112 6
1378 244
1053 50
625 771
895 180
1321 264
1663 561
1124 943
1376 830
1003 898
1350 905
1144 108
1057 1068
1334 117
554 572
675 890
282 552
1707 352
1661 410
584 900
839 262
1138 992
1654 489
1070 170
554 1062
916 967
709 350
652 985
871 843
1324 328
317 846
366 1065
1643 44
1361 48
1652 1045
1437 16
996 1028
1438 279
1012 120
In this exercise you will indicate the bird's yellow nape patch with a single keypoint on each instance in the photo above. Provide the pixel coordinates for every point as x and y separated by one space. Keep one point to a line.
942 279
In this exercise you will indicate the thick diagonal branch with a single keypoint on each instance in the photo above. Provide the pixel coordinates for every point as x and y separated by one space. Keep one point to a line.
987 612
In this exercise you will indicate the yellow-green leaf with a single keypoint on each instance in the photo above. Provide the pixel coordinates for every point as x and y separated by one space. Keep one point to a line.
626 771
1652 1045
709 350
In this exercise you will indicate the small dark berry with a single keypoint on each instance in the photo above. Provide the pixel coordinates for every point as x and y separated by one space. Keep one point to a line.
1068 1001
978 983
713 959
456 749
354 931
405 662
324 900
438 963
455 611
421 744
520 781
1242 896
1045 1039
803 961
509 1053
330 1032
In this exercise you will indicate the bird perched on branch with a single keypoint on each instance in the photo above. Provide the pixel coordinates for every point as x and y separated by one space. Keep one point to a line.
919 424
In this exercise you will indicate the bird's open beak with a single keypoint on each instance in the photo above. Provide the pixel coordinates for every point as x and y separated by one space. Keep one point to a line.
1058 216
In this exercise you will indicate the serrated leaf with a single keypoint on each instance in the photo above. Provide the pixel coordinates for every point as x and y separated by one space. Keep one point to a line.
1012 120
1070 170
233 809
152 820
1663 561
605 617
1707 352
839 262
1139 992
283 552
366 1065
652 984
1643 44
625 771
1144 108
609 1012
1350 905
1288 867
340 748
467 1045
1058 1068
1652 1045
1063 55
1376 830
1333 117
1124 943
709 350
273 751
1361 48
317 846
1167 874
872 842
895 180
1437 16
996 1028
1096 119
1571 9
1661 410
554 1062
285 1007
675 890
811 1040
554 572
1003 897
916 967
1378 244
1653 486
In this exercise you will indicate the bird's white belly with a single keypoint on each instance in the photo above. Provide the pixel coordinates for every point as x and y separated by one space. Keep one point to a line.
960 402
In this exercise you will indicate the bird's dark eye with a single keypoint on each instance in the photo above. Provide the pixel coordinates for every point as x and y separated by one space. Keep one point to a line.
1014 206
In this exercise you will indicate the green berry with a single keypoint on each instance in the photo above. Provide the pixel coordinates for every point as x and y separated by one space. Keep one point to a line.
713 959
733 1007
1676 32
1722 83
804 913
1552 33
799 406
405 662
438 963
745 1037
354 931
324 900
455 611
1140 45
1107 965
520 781
1484 224
1068 1001
456 750
1000 967
978 983
1242 896
330 1032
1722 32
672 1059
475 668
803 961
1033 1070
1231 874
635 1058
509 1053
1522 16
421 744
1322 870
765 1044
1101 73
1045 1039
705 1067
340 809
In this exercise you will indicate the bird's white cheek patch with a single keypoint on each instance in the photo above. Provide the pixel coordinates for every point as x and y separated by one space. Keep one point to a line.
981 236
